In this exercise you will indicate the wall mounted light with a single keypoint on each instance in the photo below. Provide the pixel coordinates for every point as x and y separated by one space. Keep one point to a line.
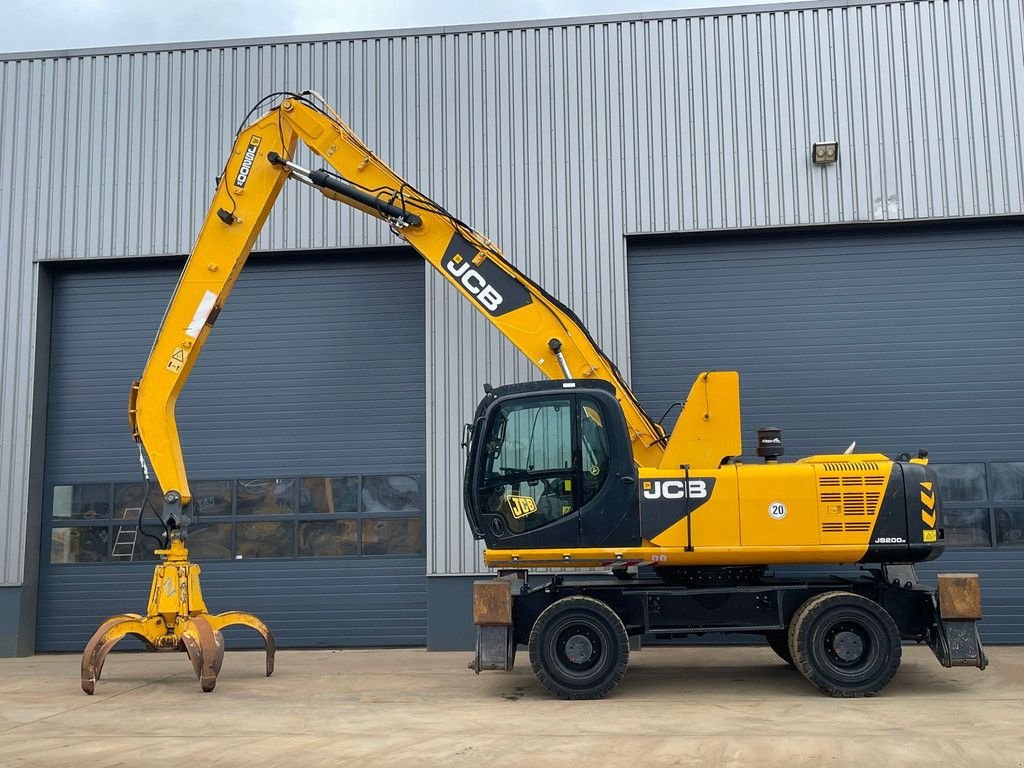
824 152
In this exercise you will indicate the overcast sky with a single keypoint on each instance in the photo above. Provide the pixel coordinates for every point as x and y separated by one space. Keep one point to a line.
31 25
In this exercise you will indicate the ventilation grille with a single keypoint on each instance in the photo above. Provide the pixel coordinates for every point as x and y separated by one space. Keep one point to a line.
850 526
856 480
852 466
850 500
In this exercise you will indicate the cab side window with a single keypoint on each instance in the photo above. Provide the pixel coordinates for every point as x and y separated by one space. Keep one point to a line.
594 451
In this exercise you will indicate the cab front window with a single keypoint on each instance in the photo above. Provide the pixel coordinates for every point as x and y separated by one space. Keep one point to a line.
543 458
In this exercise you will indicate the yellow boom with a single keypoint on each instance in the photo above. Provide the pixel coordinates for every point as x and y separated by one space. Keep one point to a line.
544 329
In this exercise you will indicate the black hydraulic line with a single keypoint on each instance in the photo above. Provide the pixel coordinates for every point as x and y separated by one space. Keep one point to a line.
322 178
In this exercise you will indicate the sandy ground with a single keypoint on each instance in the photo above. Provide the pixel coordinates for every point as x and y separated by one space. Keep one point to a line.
704 706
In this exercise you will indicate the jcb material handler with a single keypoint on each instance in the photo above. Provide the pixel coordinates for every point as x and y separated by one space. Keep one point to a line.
571 473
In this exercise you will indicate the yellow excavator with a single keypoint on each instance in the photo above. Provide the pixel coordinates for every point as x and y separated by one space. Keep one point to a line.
570 473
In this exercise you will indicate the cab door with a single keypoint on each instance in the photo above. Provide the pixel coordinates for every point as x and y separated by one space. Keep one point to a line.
526 479
554 471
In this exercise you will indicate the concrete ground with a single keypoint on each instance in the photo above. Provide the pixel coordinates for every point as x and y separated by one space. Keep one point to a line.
736 706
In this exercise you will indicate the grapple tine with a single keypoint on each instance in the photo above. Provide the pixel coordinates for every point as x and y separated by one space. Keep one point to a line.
205 648
235 618
106 636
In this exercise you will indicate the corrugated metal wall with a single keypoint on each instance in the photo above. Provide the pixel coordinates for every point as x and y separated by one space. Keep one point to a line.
898 337
555 139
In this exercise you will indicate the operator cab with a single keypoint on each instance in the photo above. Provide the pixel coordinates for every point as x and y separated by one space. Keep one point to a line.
550 465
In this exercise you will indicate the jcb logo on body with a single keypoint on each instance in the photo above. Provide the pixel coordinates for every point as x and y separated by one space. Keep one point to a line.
474 282
675 489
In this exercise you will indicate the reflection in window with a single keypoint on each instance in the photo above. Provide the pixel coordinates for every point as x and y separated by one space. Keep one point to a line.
130 546
1010 527
333 538
82 502
328 495
594 450
961 482
392 536
143 550
78 545
212 498
265 539
209 541
967 527
393 505
265 497
128 499
528 477
391 493
1006 481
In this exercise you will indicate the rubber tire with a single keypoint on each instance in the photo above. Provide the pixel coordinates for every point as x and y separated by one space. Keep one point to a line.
602 623
779 642
807 644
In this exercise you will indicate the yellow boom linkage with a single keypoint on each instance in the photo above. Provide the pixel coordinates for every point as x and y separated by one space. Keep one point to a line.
545 330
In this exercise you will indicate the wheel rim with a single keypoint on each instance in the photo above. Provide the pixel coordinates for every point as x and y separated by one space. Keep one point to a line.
851 646
577 647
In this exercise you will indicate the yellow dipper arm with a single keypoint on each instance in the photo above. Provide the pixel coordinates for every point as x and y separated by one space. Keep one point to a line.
545 330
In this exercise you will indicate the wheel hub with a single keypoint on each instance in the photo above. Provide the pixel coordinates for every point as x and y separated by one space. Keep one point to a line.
579 649
847 646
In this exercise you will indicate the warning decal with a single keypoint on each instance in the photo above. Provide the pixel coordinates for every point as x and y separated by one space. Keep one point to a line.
178 358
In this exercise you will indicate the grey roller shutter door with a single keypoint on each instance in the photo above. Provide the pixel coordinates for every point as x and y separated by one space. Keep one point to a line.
315 368
899 337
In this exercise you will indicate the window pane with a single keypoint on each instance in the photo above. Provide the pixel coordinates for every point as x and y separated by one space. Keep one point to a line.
128 500
334 538
593 449
130 546
392 493
82 502
961 482
393 536
78 545
527 479
1007 481
212 498
265 539
266 497
209 541
328 495
966 527
1010 527
532 436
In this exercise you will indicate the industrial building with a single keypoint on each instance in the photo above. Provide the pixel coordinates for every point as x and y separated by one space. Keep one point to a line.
825 196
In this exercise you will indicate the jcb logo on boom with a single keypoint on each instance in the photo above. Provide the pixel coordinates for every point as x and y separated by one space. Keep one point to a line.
474 282
675 489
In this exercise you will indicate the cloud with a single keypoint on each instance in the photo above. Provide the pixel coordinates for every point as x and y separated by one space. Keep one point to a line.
61 24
